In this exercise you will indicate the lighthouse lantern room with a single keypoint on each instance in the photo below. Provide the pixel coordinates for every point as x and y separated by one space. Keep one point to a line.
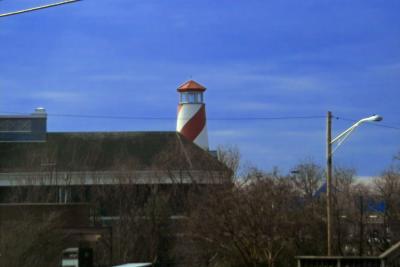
191 97
191 121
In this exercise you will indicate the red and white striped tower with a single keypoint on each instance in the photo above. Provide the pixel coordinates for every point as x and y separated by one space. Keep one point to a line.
191 121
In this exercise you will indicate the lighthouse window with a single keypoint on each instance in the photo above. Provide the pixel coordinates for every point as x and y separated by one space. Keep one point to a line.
198 98
192 97
184 97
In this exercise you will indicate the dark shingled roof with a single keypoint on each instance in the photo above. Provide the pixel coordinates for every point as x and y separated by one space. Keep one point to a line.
103 151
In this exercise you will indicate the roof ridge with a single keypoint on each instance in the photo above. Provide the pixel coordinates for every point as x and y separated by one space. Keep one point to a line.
113 132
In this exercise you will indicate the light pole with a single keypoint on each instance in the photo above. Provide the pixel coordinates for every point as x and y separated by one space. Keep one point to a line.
329 142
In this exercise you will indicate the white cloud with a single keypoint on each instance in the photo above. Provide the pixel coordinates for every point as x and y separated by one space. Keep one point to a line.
117 77
251 106
227 133
296 83
302 134
57 96
392 68
267 76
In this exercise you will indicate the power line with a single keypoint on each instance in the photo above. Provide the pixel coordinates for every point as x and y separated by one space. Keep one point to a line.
108 117
155 118
173 118
267 118
38 8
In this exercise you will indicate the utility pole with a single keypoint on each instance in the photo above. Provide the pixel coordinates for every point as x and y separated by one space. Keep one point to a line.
329 153
360 250
329 182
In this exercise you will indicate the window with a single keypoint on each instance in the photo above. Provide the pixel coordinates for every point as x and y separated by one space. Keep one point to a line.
184 98
191 97
197 98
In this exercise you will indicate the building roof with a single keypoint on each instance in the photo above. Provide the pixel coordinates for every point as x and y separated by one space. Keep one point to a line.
106 151
142 264
191 86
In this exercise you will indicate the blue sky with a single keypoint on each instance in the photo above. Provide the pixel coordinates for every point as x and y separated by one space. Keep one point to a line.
257 59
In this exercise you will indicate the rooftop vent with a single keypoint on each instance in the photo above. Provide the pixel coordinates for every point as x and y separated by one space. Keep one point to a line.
39 112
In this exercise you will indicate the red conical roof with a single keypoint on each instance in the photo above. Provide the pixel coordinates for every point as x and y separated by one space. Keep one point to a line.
191 86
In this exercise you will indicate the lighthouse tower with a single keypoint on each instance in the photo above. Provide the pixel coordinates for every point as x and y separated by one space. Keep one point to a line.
191 121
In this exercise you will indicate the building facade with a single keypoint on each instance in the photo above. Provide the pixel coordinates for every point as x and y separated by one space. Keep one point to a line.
137 184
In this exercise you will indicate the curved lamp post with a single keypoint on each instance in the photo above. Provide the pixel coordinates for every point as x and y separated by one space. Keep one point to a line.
339 140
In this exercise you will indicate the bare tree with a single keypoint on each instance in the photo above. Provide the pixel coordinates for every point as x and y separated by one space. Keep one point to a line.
230 156
307 177
32 240
388 190
249 224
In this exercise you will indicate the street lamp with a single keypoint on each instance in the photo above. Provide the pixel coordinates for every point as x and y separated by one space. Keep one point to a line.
329 142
